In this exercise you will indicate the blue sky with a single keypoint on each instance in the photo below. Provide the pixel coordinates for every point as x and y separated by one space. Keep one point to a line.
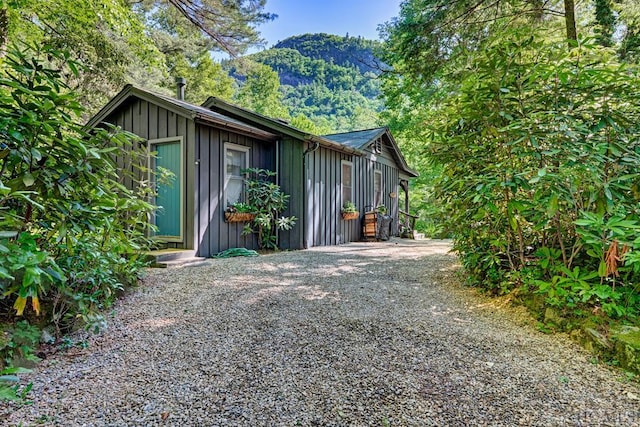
356 17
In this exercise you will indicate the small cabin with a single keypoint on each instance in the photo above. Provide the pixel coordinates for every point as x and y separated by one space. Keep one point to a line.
206 148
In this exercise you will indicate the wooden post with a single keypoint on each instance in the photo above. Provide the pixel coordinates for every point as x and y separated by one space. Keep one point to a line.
405 187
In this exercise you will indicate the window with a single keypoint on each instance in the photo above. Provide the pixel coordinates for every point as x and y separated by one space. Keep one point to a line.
236 158
377 188
347 182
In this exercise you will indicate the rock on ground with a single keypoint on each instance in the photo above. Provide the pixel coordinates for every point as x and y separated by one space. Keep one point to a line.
365 334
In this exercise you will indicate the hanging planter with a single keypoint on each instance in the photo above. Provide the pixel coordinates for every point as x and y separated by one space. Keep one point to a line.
239 216
348 216
349 211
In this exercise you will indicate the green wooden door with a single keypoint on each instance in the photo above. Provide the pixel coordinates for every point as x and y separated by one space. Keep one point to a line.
169 197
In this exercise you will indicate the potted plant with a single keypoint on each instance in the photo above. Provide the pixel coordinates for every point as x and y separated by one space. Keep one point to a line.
349 211
381 209
239 212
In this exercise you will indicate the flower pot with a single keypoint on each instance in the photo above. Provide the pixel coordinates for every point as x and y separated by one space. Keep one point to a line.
348 216
238 216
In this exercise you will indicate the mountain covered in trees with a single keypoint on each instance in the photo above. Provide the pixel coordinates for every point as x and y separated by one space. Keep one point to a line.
331 80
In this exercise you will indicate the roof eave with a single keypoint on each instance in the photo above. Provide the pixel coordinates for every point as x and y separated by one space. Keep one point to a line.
274 124
130 90
104 112
250 131
411 172
396 149
334 145
285 129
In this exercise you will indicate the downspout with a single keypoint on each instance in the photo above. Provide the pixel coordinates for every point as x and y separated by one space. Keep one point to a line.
278 161
277 183
197 187
310 149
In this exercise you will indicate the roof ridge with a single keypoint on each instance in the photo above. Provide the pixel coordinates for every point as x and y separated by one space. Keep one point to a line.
355 131
279 120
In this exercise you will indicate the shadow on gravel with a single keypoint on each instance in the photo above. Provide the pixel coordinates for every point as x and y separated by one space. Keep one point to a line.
324 272
365 334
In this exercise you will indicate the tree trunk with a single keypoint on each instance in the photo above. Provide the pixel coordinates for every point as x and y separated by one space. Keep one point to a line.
4 31
570 20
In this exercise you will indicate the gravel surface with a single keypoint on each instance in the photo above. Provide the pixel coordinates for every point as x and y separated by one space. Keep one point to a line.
365 334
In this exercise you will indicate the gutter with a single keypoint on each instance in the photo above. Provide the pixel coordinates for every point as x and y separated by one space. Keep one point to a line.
216 104
234 126
330 144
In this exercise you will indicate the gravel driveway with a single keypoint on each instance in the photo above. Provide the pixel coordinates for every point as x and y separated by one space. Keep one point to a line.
365 334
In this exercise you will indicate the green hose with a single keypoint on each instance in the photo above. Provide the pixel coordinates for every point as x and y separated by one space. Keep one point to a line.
233 252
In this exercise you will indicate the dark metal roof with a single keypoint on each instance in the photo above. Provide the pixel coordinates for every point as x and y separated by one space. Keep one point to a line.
357 139
260 126
183 108
360 139
275 125
201 112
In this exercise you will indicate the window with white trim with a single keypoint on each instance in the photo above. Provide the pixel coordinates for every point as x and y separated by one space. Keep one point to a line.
377 188
347 181
236 159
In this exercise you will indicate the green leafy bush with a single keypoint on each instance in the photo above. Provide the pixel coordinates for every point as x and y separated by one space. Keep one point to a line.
20 342
540 158
268 201
70 231
10 387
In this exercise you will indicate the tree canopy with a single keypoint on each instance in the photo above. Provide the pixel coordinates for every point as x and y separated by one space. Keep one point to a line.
114 42
72 236
230 24
528 133
331 80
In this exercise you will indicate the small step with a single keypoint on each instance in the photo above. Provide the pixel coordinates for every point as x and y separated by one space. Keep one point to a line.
418 236
171 254
182 262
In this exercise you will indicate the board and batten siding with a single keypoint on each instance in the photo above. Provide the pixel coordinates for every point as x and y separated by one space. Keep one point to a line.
291 181
324 225
385 163
203 166
151 122
213 234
